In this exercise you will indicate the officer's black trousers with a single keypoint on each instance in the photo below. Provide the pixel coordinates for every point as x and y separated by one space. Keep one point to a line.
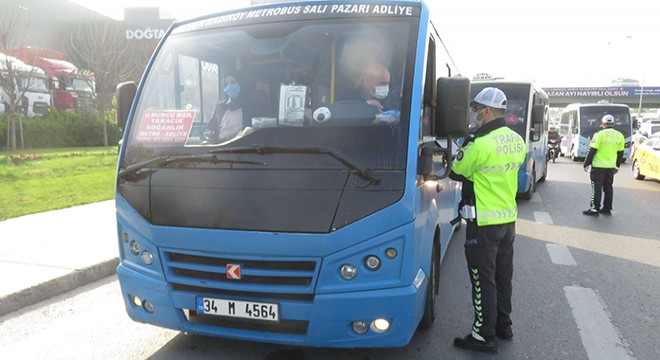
489 254
601 182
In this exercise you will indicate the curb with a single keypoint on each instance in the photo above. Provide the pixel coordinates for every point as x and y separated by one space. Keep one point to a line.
57 286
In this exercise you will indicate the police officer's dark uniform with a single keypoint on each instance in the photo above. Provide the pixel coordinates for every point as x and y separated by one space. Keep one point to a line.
488 167
605 157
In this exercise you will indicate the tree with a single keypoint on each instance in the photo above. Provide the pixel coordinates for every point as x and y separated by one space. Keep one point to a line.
100 47
16 77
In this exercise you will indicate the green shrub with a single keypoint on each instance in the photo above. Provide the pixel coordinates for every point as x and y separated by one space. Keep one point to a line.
64 129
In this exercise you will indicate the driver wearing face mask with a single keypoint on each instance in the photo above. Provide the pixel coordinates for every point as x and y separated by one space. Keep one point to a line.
230 115
376 86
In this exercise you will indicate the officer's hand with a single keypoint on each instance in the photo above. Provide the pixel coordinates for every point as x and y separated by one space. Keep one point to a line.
615 170
587 168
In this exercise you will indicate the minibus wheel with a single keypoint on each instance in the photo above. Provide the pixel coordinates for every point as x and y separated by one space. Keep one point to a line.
432 290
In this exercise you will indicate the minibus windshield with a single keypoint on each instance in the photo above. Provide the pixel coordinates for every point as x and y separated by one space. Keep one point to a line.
281 84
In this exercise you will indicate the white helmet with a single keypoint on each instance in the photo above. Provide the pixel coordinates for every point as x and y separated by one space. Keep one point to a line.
608 119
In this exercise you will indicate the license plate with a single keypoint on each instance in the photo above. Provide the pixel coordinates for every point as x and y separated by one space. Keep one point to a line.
240 309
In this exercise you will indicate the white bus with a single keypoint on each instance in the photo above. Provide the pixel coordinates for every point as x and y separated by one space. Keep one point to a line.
579 122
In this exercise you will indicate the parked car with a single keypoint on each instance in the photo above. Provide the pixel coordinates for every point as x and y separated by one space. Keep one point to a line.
643 133
646 158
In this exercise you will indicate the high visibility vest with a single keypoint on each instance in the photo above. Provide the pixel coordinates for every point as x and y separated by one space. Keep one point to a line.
607 142
492 162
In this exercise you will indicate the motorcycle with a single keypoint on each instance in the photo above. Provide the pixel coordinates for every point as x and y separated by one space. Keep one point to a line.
553 149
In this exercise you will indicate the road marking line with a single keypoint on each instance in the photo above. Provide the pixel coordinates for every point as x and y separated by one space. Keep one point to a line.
637 249
560 255
599 336
543 217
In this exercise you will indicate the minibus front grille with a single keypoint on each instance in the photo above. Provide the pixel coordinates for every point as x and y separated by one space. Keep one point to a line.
244 294
219 261
212 272
269 280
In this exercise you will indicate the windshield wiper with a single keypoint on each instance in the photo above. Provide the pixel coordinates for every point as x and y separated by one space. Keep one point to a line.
161 161
262 149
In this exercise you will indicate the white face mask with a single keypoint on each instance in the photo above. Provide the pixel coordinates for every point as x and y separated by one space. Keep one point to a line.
475 117
380 92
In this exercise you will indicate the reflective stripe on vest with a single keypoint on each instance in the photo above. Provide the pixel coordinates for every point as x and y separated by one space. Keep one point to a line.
500 168
504 214
492 162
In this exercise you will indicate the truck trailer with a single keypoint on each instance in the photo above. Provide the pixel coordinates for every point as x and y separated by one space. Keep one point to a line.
23 85
72 88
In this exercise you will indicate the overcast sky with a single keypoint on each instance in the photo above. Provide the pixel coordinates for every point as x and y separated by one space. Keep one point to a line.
563 43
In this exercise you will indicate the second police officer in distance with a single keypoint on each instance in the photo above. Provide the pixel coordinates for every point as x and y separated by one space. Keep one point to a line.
605 157
488 167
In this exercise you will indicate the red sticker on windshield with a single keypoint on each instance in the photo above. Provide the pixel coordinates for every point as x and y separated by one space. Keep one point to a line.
165 127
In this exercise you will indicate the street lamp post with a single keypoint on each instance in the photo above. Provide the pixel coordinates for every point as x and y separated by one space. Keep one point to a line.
641 83
641 94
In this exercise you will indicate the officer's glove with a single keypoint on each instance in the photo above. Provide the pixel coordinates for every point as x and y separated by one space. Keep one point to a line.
587 168
615 170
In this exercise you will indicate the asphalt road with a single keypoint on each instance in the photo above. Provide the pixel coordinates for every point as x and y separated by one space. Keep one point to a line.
584 288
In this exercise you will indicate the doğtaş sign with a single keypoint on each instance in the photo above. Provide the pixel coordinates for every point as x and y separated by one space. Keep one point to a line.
145 34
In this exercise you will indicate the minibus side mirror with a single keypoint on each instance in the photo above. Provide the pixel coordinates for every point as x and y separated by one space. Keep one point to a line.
125 95
430 153
452 102
538 114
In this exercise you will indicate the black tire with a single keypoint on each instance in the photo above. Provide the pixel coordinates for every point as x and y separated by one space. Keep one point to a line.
432 290
545 173
635 169
574 156
532 188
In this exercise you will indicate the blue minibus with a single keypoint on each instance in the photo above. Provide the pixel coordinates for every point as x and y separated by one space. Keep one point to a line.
324 219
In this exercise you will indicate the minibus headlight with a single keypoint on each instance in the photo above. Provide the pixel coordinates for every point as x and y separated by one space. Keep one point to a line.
135 247
380 325
147 258
148 306
391 253
372 262
348 271
360 327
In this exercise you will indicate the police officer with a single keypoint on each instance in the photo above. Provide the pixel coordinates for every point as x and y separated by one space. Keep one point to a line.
488 167
604 158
